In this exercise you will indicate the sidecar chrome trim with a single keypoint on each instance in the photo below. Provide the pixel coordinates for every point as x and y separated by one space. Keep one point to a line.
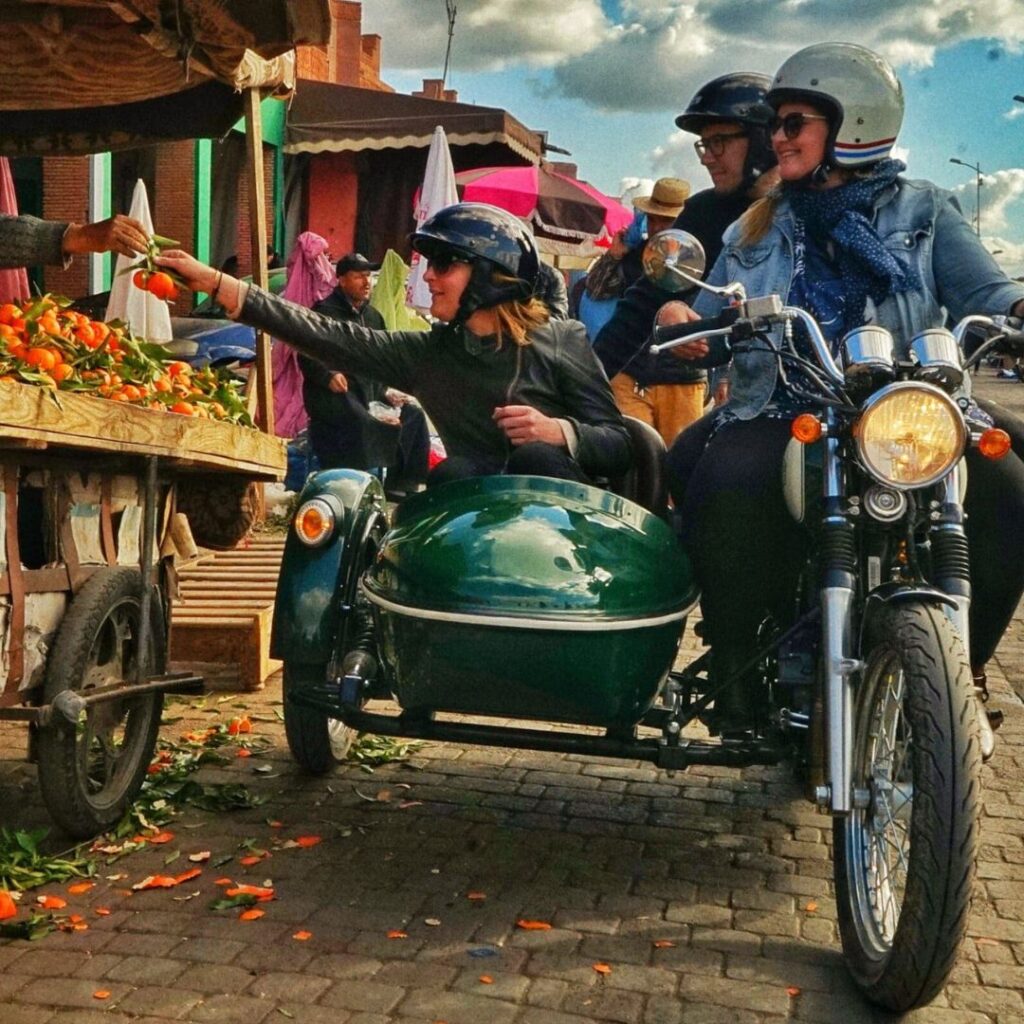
524 621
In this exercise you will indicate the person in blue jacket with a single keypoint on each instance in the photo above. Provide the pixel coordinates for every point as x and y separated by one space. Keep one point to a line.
848 238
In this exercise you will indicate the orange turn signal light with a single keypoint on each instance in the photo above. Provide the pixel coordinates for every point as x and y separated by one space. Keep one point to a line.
994 443
806 428
314 522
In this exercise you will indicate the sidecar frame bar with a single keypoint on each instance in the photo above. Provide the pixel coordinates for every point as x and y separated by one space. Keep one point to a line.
727 753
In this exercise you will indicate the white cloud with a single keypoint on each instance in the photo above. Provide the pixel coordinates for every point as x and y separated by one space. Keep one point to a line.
489 34
1014 112
999 191
1009 255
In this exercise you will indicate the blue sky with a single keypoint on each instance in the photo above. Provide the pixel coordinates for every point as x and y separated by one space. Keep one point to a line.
606 78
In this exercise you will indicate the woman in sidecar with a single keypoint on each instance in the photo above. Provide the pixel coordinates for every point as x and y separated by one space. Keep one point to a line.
847 238
509 390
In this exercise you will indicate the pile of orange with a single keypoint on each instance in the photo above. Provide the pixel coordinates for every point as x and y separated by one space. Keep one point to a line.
44 342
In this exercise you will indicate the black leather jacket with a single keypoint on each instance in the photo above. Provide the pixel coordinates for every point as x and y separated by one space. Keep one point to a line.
459 378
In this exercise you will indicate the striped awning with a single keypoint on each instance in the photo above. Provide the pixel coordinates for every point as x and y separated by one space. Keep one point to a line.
326 118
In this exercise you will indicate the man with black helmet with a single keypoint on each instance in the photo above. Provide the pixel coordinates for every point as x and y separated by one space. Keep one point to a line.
729 115
509 389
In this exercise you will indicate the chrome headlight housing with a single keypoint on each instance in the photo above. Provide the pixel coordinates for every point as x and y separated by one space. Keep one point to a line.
315 521
910 435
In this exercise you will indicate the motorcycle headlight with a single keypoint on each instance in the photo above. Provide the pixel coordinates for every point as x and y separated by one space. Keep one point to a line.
910 435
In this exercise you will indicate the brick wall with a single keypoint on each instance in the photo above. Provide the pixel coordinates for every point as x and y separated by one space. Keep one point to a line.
66 198
244 243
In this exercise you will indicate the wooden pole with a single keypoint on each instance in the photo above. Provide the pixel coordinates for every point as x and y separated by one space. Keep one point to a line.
258 221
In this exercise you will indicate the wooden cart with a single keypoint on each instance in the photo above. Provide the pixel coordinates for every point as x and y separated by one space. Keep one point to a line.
87 513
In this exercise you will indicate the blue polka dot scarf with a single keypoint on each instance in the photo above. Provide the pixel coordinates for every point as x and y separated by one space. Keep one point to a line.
865 267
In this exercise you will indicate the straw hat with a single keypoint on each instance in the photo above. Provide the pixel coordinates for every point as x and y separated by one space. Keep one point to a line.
668 198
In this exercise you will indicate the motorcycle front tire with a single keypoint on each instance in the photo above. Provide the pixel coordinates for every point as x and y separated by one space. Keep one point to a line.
905 855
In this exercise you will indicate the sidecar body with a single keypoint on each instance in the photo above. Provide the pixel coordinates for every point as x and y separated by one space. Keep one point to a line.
508 597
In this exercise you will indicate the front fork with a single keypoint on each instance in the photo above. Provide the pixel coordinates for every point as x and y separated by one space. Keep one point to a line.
838 588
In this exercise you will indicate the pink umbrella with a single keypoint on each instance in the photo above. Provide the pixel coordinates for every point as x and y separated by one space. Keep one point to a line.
557 206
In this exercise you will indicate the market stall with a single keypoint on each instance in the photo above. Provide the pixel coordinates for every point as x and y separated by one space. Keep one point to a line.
94 488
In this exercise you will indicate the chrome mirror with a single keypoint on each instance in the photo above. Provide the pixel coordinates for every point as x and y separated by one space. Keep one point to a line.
938 358
673 259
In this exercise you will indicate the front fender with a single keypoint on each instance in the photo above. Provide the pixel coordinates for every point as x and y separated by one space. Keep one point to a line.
313 580
894 592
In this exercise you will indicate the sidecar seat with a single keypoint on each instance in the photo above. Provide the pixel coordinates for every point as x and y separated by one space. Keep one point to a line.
644 481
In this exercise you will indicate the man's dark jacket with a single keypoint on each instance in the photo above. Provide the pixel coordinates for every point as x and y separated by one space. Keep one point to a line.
342 431
621 345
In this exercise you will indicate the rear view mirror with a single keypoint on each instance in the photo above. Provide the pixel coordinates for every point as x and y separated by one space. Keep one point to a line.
673 260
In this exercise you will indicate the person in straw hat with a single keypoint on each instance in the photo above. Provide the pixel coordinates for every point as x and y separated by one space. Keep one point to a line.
667 403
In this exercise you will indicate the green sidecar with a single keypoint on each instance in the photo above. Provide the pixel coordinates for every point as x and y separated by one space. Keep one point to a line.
521 598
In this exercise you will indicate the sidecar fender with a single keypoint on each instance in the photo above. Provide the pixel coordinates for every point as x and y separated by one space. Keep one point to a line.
314 580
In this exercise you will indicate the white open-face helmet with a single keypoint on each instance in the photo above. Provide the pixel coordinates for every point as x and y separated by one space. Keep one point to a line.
858 90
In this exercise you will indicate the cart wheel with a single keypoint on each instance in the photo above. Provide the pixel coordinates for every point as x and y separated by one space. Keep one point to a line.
89 773
317 742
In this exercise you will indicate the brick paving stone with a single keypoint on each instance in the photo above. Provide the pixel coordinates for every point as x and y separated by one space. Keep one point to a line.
696 1014
499 985
147 970
68 992
605 1003
175 1003
460 1008
357 994
34 1015
754 996
288 987
233 1009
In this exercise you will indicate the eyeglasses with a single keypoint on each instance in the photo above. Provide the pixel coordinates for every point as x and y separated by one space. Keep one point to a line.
793 124
715 144
443 262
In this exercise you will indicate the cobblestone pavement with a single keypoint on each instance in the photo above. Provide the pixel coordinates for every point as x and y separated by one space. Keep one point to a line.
707 894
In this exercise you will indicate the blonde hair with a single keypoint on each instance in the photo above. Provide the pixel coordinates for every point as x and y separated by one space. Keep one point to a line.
516 318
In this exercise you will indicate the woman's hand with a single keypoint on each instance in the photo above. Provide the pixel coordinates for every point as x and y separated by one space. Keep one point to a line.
677 312
197 276
522 424
338 383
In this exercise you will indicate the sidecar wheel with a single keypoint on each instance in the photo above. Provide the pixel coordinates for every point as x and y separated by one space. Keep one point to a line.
317 742
905 856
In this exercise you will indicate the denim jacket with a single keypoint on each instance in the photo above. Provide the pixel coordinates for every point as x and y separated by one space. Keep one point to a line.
921 225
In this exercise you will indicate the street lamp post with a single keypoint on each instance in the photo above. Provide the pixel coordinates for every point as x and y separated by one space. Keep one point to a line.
977 204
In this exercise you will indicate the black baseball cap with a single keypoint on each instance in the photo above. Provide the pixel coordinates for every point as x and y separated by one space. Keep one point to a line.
355 261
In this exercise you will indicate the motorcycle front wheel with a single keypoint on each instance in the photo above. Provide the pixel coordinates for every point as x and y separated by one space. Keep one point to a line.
905 855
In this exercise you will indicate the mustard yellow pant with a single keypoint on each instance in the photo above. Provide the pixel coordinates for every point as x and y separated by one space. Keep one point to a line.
669 408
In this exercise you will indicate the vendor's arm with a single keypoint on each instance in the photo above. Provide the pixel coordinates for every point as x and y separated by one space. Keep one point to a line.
28 241
385 355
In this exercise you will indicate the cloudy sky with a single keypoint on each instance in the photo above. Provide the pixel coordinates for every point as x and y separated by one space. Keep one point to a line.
606 78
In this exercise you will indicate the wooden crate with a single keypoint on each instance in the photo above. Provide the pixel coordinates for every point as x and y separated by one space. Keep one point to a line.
220 625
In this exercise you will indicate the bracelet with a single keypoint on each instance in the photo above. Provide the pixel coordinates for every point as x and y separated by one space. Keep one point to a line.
216 288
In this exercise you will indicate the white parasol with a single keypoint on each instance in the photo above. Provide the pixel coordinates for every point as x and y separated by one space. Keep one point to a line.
148 316
437 192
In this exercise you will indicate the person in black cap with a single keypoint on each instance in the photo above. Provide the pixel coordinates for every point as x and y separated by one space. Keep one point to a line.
342 431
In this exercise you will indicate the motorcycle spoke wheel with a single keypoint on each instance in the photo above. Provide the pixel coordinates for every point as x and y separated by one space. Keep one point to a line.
905 854
90 772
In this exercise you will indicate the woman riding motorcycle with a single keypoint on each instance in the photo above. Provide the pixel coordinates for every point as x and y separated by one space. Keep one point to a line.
847 238
509 389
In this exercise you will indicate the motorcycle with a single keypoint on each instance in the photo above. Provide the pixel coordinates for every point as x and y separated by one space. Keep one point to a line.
533 599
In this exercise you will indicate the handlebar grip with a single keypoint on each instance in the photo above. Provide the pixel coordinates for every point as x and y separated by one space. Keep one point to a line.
672 332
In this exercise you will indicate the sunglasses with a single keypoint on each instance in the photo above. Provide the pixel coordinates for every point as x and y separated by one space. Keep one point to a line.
715 144
793 124
442 263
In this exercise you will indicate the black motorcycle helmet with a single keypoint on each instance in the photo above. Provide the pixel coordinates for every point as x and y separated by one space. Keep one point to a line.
489 239
738 97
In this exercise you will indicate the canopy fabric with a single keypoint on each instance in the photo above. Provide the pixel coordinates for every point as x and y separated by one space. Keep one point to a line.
326 118
80 76
558 207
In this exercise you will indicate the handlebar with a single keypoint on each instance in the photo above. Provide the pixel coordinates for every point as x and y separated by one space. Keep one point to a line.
671 335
